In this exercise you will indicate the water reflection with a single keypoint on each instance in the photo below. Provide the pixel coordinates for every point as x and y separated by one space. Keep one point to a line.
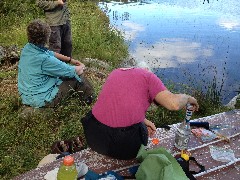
187 41
171 53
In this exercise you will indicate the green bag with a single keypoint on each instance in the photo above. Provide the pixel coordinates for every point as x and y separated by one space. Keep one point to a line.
158 164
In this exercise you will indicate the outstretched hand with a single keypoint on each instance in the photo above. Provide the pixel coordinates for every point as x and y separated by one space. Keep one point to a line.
76 62
60 2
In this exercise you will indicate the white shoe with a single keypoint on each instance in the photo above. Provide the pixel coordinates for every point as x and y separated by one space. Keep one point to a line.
82 169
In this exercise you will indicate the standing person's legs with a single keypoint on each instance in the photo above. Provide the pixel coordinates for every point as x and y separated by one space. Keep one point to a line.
55 39
66 42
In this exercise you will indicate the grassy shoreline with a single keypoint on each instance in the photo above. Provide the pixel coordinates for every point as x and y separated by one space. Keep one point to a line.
25 141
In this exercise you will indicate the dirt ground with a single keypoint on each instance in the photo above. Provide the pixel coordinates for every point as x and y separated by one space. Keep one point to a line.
8 85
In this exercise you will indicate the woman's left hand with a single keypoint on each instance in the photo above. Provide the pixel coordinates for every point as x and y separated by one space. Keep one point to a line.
79 69
150 127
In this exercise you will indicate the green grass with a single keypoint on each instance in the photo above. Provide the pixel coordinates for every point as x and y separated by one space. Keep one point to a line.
25 141
92 36
7 74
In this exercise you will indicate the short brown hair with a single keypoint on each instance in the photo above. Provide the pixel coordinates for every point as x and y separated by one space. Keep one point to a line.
38 32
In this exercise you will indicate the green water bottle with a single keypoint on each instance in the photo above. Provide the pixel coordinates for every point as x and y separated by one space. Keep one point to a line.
67 170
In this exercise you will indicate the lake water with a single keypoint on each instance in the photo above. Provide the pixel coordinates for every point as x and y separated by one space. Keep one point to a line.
185 41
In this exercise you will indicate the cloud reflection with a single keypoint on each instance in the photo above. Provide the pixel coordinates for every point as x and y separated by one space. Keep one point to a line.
132 30
167 52
172 52
197 34
229 23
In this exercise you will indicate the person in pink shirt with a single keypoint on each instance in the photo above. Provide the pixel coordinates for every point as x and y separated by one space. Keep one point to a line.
116 126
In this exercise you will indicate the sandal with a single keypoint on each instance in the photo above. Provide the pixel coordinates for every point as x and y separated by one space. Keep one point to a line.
77 144
71 146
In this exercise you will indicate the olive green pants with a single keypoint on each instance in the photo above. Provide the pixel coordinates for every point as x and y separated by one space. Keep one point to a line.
71 87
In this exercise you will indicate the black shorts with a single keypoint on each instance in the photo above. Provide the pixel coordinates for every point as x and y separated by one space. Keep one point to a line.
120 143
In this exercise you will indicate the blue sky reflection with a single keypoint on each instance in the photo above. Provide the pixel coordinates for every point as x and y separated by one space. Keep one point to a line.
184 38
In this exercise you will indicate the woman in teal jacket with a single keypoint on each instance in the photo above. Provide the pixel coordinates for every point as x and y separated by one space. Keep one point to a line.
44 76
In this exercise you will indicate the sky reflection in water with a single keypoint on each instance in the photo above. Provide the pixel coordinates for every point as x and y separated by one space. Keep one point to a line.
185 41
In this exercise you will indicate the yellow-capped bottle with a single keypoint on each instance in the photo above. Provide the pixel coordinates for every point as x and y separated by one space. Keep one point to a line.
67 170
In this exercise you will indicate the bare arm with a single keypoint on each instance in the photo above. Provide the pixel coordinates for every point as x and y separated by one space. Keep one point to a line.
176 102
62 57
79 67
68 59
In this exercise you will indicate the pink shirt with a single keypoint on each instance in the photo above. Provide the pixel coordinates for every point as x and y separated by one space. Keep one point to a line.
126 96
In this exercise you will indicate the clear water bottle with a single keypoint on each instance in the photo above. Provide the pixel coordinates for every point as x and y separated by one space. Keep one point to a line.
182 135
67 170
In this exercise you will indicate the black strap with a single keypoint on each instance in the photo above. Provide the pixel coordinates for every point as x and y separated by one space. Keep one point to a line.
185 166
202 168
166 127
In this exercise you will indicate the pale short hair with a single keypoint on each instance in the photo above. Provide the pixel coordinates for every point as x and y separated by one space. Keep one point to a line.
144 65
131 62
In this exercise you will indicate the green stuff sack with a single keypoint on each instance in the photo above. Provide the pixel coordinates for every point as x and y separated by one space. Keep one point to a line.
158 164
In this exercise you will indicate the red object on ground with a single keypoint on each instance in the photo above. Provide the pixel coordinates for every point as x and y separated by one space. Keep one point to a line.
155 141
